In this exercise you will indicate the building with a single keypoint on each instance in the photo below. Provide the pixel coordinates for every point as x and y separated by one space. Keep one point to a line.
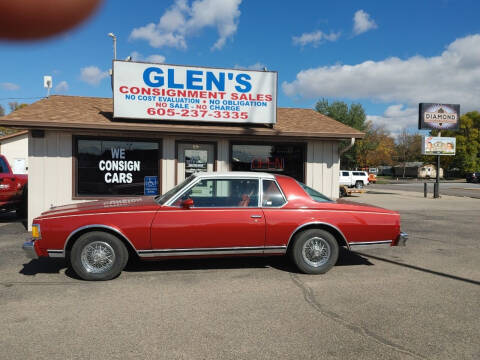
15 148
84 148
417 169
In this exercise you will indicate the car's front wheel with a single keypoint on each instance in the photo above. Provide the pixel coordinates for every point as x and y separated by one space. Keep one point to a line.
359 184
98 256
315 251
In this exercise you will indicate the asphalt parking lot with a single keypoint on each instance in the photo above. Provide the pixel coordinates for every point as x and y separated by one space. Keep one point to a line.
419 302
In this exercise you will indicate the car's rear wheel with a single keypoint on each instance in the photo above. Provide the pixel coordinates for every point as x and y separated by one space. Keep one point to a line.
98 256
315 251
359 184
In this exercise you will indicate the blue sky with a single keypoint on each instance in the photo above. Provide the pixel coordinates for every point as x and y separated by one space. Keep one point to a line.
387 55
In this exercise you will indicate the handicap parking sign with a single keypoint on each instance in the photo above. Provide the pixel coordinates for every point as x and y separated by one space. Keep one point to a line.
150 185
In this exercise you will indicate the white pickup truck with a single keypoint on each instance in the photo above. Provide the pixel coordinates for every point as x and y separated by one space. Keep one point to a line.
356 179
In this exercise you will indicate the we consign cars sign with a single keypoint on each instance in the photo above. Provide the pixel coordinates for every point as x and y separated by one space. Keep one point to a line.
186 93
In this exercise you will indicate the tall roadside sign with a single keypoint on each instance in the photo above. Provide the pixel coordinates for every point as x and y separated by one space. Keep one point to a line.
439 117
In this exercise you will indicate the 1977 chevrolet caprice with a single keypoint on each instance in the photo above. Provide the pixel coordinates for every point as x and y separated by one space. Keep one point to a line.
212 214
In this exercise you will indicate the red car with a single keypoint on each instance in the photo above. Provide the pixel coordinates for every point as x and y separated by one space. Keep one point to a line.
13 189
212 214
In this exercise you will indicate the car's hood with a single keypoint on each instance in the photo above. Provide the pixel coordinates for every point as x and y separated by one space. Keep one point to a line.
140 203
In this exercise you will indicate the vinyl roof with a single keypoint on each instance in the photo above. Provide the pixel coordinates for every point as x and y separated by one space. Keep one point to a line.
93 113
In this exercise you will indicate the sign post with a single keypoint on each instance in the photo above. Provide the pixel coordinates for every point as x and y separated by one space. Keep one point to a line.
438 117
438 146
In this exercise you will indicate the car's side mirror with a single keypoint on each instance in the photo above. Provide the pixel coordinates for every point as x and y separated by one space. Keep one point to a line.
187 203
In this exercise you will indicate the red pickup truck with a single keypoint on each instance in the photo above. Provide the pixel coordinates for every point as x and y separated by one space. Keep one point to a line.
13 189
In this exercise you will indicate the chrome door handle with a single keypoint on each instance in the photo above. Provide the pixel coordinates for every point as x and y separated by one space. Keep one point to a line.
256 216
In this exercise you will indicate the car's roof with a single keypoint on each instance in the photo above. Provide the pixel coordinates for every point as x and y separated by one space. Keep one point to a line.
239 174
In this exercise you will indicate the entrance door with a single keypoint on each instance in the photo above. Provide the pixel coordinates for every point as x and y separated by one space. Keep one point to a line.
194 158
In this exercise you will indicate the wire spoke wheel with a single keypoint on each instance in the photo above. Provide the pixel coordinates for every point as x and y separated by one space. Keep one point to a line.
97 257
316 251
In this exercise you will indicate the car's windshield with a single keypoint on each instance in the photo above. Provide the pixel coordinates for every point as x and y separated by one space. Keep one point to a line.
162 199
314 194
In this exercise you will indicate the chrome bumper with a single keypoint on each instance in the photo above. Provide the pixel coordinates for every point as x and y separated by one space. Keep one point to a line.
402 239
29 248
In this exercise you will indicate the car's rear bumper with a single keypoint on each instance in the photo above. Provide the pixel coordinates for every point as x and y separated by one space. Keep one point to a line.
29 248
402 239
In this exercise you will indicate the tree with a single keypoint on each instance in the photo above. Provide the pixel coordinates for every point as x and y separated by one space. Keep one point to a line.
353 116
5 130
467 157
14 105
408 148
376 148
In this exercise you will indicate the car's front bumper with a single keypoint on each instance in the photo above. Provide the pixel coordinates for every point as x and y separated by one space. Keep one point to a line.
29 248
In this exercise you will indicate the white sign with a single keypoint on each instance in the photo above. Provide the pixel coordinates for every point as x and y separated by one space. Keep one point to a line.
187 93
438 145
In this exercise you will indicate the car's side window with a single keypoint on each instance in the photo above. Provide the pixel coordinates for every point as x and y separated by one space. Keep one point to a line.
272 196
223 193
345 173
3 167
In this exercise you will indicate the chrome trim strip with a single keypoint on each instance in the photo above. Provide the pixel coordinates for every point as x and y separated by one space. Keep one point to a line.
56 253
371 243
275 250
212 251
318 223
96 226
29 248
107 213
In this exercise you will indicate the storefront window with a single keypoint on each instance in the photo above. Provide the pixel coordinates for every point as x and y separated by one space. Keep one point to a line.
109 167
286 159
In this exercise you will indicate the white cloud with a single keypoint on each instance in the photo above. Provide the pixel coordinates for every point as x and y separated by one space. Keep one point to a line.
61 88
154 58
182 20
315 38
9 86
362 22
256 66
92 75
396 118
452 77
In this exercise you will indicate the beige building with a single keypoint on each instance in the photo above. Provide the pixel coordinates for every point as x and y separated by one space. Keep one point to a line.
77 151
15 148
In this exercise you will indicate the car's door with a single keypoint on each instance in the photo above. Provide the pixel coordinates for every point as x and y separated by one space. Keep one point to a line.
225 219
8 186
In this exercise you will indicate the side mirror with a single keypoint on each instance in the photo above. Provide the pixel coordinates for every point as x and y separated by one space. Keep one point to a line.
187 203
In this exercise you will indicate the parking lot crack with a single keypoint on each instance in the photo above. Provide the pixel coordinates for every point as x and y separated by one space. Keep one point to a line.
309 297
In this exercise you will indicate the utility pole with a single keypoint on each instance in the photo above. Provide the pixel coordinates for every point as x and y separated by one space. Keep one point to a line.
436 186
114 38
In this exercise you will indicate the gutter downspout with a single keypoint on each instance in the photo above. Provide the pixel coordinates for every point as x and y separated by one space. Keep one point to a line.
352 142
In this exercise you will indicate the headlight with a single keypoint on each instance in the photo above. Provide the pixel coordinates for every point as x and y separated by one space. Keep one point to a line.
36 234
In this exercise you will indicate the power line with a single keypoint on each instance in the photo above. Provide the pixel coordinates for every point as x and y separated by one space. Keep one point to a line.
23 98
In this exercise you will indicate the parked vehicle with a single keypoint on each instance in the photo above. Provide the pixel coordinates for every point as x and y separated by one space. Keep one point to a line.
356 179
13 189
473 177
372 178
212 214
